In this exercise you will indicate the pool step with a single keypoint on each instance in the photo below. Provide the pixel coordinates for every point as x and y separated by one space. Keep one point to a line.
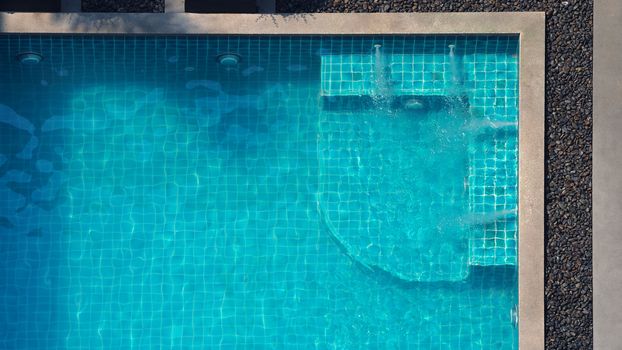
493 179
493 191
493 246
404 74
363 103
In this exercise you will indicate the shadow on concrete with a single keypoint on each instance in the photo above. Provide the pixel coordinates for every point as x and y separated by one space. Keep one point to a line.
302 17
134 23
149 23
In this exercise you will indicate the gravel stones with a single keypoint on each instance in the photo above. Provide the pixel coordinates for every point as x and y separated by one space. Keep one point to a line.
568 256
123 5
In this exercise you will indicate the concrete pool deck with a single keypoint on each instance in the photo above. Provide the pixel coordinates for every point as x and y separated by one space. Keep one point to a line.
607 164
530 27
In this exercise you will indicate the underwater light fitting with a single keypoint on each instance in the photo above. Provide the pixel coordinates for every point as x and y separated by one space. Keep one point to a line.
228 59
29 57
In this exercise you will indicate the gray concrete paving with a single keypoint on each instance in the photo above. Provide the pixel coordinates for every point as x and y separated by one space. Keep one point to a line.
174 6
607 176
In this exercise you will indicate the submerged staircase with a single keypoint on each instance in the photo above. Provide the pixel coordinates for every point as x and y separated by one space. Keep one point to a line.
493 173
493 196
492 95
407 74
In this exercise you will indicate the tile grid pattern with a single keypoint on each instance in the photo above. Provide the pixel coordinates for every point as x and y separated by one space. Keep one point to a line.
492 86
73 277
490 72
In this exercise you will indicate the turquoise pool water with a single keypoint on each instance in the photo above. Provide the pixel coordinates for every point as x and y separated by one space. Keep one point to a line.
323 193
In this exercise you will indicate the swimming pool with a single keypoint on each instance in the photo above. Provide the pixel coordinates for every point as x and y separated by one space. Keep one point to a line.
282 192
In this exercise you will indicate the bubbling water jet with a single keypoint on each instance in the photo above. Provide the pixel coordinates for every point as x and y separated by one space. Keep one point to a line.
381 94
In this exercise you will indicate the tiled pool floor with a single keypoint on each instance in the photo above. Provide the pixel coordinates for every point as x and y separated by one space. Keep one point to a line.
152 199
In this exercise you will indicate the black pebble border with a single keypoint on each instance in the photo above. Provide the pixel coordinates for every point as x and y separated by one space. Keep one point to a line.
568 288
123 5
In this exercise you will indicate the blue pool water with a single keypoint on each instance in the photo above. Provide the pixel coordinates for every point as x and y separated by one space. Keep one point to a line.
323 193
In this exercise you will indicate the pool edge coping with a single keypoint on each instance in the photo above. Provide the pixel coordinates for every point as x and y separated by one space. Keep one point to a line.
530 26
